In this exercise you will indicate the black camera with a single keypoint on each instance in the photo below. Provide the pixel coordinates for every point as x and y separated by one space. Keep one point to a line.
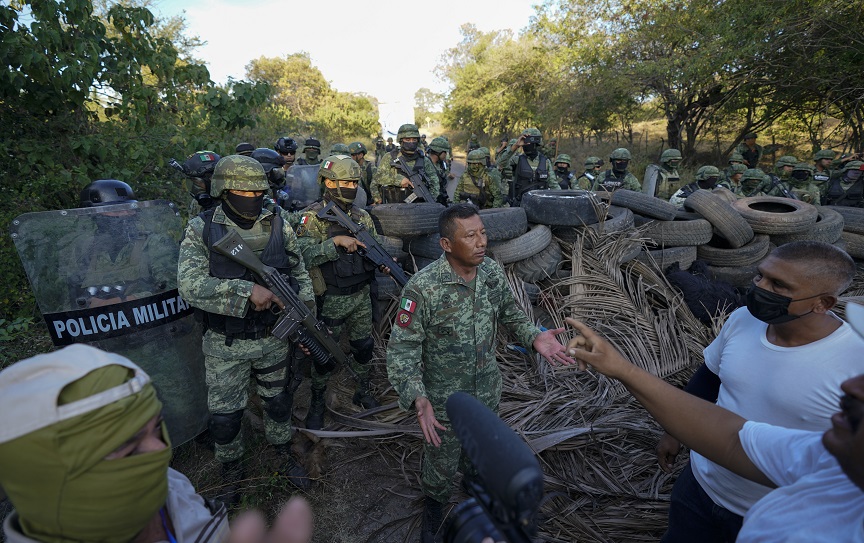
507 491
536 140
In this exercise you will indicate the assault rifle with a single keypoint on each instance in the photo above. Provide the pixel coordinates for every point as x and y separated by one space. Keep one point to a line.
418 179
777 182
373 252
297 323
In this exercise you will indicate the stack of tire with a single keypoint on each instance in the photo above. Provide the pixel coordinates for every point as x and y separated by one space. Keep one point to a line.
852 234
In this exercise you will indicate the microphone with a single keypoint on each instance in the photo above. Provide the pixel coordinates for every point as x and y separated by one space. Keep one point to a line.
505 463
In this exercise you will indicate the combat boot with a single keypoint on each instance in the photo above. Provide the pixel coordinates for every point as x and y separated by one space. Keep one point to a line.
233 473
291 469
315 417
362 396
432 518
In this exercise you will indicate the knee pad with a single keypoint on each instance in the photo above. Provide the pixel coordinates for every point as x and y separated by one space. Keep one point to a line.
279 406
224 427
362 349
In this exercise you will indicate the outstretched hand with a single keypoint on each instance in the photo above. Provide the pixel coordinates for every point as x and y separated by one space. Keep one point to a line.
428 422
550 348
588 348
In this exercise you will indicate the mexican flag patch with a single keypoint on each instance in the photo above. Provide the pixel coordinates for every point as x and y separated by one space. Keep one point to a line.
304 220
327 164
408 305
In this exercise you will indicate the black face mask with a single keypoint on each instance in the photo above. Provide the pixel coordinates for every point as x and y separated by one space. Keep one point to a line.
243 210
770 307
853 175
800 175
708 184
530 149
620 165
563 170
410 147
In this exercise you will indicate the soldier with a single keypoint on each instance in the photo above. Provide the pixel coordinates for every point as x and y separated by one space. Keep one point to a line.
666 180
339 149
562 171
311 152
753 182
236 313
733 179
502 145
530 170
823 160
501 159
847 188
802 185
617 177
423 143
494 173
734 158
473 143
476 185
437 153
274 168
198 169
379 149
244 149
592 171
358 153
286 147
389 148
342 277
750 152
778 182
707 178
388 178
443 340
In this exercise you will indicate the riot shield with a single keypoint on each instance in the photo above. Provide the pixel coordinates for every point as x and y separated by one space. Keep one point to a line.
107 276
649 182
301 184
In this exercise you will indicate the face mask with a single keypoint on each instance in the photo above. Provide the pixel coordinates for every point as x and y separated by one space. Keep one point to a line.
800 175
530 149
476 169
312 154
620 165
246 207
342 195
770 307
853 175
409 146
561 170
707 184
673 164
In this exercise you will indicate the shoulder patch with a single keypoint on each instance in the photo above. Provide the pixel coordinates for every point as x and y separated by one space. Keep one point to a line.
408 305
304 220
403 318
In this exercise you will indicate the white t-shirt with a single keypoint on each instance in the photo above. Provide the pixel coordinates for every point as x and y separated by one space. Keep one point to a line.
792 387
814 502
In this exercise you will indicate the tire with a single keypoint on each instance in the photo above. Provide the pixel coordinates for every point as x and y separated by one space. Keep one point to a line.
853 218
504 222
424 246
828 227
684 256
644 204
407 220
726 194
393 246
682 215
854 244
775 215
617 219
418 263
725 220
525 246
560 207
739 256
387 287
737 276
679 233
539 266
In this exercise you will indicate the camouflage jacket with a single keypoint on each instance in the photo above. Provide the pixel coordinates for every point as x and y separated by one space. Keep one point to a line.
469 187
806 192
388 175
511 161
444 335
629 181
230 296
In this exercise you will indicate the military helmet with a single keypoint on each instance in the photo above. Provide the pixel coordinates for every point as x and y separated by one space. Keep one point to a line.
620 154
422 136
439 145
486 152
738 168
705 172
736 157
824 153
476 157
593 161
786 160
312 143
532 132
106 192
285 145
512 142
563 158
753 174
201 164
339 149
852 165
407 131
243 149
268 158
238 172
804 166
390 140
669 155
356 148
339 168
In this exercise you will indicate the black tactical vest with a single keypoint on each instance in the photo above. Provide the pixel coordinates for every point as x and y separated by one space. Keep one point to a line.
350 272
852 197
525 178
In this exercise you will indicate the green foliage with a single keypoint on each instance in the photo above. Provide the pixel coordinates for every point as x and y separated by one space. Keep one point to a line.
12 330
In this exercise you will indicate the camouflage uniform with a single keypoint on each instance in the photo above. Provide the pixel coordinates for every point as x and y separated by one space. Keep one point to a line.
847 187
387 175
586 180
704 173
367 169
443 341
501 160
311 153
804 188
669 179
230 361
612 179
477 185
753 183
494 173
541 167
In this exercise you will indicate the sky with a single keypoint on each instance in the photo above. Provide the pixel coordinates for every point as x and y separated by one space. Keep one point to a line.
385 49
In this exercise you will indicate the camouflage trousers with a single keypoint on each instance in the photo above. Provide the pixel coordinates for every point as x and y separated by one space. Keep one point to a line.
439 465
228 370
353 311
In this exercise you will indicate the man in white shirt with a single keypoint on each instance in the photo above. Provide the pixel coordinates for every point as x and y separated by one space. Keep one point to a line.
780 361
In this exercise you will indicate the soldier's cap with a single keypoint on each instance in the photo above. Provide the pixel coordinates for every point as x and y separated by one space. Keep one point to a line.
750 136
244 148
739 168
312 142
